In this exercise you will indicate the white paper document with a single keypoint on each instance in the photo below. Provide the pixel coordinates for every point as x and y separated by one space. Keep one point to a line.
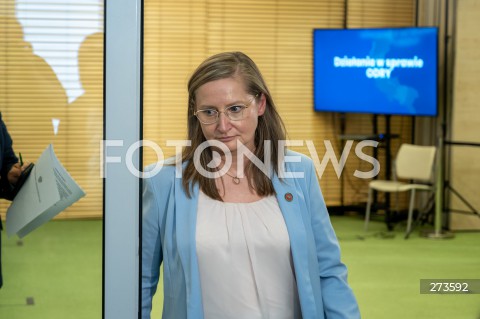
48 191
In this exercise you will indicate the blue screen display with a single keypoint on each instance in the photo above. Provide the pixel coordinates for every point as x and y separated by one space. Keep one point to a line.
380 71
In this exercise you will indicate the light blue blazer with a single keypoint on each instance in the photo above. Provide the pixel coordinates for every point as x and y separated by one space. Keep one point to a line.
168 236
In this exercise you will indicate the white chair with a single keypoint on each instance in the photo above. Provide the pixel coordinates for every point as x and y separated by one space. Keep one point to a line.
413 162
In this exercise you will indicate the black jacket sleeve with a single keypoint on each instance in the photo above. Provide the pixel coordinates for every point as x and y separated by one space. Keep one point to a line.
7 160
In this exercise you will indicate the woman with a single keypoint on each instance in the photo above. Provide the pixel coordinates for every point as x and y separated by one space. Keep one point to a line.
238 237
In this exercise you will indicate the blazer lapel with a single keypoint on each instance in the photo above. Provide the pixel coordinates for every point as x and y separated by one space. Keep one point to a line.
186 221
289 198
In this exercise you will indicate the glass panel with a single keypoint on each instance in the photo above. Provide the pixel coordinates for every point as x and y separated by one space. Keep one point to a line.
51 92
277 35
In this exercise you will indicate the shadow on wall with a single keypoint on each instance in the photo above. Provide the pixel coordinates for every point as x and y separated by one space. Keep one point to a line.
32 101
32 98
85 126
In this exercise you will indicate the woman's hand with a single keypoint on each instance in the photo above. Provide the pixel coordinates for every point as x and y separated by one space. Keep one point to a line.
15 172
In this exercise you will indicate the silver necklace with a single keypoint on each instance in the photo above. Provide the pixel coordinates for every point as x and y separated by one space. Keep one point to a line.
236 179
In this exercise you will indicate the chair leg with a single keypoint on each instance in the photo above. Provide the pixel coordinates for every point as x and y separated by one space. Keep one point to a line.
410 212
369 204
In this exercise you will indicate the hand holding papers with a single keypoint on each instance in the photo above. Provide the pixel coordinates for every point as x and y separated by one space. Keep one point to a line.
21 180
48 191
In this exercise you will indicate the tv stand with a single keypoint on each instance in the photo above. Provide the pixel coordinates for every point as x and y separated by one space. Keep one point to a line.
385 139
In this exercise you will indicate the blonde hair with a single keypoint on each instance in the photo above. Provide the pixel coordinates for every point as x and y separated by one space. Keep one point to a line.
270 125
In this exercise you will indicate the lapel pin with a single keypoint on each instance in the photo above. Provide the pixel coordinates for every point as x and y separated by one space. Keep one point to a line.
288 197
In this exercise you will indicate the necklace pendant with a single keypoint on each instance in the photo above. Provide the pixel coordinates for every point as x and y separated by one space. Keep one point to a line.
236 180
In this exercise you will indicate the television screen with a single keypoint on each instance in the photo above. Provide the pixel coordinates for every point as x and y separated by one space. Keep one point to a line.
380 71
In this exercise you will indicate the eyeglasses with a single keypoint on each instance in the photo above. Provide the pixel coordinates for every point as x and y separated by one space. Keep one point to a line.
233 112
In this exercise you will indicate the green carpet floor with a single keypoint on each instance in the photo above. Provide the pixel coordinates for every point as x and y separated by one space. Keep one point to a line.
385 272
59 265
56 272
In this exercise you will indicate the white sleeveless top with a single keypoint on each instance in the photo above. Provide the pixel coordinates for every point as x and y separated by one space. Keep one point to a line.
245 263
